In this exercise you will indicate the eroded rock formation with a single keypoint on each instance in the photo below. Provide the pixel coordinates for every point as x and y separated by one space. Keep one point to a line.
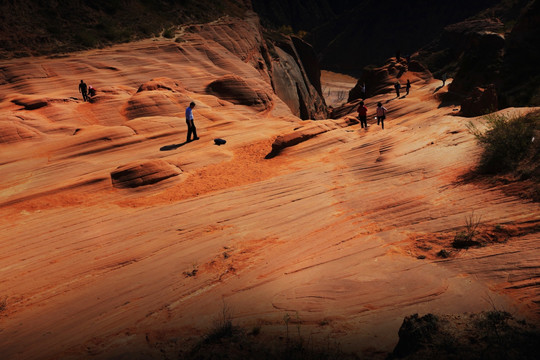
236 90
380 80
143 173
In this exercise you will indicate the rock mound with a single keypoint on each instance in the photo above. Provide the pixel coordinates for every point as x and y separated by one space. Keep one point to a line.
153 103
143 173
157 97
162 83
236 90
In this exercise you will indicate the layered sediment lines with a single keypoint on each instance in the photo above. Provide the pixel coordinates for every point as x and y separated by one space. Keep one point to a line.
325 231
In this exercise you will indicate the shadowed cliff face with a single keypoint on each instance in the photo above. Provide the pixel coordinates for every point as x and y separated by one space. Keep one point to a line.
493 50
348 35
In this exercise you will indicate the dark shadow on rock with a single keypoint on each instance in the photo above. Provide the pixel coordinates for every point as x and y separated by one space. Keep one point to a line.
437 89
172 147
449 99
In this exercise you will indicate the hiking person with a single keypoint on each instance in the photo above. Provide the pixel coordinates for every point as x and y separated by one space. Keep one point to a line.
190 123
91 91
83 90
444 79
408 86
362 114
397 86
381 114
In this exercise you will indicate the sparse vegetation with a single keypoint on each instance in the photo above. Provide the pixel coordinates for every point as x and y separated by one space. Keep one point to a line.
169 33
506 140
228 341
223 327
485 335
466 238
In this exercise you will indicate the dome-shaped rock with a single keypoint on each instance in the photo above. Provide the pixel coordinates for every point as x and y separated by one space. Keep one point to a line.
143 173
236 90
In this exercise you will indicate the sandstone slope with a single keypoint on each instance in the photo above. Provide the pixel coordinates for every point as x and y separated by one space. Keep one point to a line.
117 238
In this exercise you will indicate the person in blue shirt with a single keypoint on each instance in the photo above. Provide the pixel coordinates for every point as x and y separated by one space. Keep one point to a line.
190 124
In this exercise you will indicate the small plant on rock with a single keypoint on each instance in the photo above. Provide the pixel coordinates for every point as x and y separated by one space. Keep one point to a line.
465 239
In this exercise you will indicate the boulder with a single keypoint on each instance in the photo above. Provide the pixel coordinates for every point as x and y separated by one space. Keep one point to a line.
143 173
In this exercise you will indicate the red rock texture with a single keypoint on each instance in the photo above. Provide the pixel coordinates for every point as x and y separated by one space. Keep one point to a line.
143 173
237 91
329 232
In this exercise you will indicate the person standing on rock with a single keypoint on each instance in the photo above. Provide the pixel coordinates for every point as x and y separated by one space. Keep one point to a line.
397 86
444 79
408 86
363 91
190 123
83 89
362 114
381 114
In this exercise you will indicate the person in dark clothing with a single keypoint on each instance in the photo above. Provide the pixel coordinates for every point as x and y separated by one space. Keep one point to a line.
190 124
362 114
397 86
408 86
91 91
83 89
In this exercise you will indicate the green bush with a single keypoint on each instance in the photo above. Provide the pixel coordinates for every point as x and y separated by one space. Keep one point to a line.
506 140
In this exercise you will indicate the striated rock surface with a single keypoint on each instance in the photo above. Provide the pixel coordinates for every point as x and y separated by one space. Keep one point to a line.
237 91
12 131
143 173
339 233
300 135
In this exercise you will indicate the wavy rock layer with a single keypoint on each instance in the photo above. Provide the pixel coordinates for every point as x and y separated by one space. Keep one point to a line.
143 173
339 233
